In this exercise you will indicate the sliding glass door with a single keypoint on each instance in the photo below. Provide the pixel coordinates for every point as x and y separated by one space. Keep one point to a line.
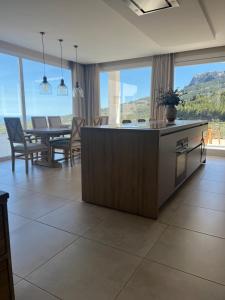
125 94
204 85
10 100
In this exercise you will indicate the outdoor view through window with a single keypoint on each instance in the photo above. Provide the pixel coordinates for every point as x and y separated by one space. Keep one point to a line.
128 90
35 104
204 85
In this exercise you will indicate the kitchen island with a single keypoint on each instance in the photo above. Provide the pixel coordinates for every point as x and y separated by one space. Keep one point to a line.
137 167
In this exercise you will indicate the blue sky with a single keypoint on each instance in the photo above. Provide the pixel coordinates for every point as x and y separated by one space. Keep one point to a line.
184 74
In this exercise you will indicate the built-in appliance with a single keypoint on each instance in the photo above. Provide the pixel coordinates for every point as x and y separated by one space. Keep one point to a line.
143 7
181 160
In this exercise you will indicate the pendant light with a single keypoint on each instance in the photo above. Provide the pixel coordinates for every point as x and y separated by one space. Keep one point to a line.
62 88
45 87
78 92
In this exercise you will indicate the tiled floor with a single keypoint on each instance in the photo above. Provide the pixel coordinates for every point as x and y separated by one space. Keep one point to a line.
63 248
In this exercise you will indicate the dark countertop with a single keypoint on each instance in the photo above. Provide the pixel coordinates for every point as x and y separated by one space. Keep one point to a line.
160 126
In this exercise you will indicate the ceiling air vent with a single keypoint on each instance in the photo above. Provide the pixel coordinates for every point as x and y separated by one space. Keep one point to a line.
143 7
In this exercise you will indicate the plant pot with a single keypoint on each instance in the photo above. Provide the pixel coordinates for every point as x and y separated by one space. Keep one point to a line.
171 113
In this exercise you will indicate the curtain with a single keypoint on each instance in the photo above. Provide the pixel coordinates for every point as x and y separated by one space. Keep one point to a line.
88 78
162 80
92 92
78 104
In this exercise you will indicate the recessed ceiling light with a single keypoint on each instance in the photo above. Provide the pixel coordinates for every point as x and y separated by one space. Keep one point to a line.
142 7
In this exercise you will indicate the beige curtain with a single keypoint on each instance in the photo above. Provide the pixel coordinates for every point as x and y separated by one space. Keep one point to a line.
92 93
162 79
88 78
78 104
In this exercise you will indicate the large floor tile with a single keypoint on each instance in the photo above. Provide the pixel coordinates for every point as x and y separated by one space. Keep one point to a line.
36 205
86 270
16 193
63 188
192 252
76 217
16 279
199 219
128 232
15 222
26 291
156 282
208 186
35 243
204 199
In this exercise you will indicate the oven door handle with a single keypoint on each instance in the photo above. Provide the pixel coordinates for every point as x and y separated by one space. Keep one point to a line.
182 151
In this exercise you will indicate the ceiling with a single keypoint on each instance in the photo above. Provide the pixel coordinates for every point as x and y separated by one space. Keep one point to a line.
107 30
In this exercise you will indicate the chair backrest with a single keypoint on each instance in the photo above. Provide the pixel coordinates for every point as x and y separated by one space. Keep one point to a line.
97 121
141 120
54 122
126 121
39 122
104 120
77 123
14 130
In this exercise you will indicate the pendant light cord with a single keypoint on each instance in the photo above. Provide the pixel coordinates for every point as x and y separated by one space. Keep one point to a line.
75 46
43 49
60 42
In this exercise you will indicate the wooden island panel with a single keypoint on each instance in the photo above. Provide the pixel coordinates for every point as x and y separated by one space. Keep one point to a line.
118 169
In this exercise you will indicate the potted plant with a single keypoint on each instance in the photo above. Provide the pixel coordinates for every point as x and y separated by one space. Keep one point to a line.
170 99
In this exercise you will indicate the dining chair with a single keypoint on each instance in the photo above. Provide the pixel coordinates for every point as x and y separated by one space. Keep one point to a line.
39 122
97 121
72 145
56 122
104 120
141 120
19 144
126 121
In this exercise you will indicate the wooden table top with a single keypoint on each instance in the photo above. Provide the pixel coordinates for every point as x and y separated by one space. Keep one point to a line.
48 131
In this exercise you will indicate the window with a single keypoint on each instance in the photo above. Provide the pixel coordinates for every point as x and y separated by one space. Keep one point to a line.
125 94
205 98
46 105
10 102
35 104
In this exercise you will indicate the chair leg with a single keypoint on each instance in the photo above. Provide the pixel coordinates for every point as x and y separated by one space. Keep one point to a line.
13 162
26 163
52 155
71 157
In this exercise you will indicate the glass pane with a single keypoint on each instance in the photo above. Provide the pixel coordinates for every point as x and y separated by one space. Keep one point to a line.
9 97
46 105
135 93
104 101
205 98
131 88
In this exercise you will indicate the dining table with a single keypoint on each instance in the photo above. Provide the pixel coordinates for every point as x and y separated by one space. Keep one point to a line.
46 135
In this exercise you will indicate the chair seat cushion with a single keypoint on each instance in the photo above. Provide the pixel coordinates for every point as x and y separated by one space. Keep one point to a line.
60 142
64 143
31 147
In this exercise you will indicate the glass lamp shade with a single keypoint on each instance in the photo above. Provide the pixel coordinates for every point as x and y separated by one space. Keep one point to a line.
78 92
45 87
62 89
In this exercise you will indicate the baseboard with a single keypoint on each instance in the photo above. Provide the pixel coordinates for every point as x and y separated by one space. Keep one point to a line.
216 152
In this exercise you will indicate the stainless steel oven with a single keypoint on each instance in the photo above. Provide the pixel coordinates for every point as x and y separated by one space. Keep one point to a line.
181 160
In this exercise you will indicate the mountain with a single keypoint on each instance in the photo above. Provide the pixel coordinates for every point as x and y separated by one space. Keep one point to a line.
207 77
